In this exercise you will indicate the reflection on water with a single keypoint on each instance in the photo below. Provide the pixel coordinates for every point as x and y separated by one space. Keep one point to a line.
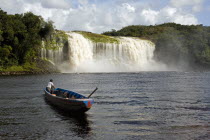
79 121
146 105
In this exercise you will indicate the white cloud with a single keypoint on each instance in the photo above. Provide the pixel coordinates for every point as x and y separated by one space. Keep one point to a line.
37 9
168 11
150 16
10 6
128 7
124 14
96 17
185 19
58 4
83 2
197 8
196 5
180 3
168 14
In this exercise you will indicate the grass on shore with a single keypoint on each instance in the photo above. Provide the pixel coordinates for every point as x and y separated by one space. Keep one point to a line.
98 38
21 68
39 66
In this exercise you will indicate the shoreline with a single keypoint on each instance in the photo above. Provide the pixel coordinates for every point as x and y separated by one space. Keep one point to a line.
13 73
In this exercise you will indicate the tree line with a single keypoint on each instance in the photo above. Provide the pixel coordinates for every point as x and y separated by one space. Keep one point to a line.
21 36
176 44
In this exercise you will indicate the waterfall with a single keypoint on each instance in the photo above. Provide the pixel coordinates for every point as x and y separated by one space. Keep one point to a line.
80 50
129 55
55 56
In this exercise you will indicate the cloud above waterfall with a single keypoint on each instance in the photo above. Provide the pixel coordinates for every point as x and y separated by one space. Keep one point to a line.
61 4
195 5
168 14
99 15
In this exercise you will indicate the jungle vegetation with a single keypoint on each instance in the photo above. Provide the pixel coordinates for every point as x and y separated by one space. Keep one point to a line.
98 38
176 44
21 36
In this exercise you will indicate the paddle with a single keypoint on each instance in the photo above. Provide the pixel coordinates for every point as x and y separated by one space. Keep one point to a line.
92 92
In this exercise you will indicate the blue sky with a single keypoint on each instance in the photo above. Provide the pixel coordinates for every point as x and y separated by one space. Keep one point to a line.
103 15
204 15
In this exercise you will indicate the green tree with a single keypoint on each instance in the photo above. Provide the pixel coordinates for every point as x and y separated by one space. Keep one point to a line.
5 52
47 30
175 43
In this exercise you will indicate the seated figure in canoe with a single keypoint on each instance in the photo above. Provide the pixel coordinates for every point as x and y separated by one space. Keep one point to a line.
50 86
69 101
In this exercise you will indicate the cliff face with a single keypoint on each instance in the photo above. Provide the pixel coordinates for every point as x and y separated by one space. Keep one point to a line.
185 47
88 52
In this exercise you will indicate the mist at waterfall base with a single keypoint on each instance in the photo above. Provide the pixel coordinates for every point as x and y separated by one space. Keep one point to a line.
104 65
173 52
85 56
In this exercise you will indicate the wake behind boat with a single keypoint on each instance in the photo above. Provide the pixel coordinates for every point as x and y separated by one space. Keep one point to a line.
69 101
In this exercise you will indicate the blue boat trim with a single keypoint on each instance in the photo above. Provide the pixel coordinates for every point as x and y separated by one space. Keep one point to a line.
72 102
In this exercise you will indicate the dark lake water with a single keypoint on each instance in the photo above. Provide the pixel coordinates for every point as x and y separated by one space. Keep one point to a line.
146 105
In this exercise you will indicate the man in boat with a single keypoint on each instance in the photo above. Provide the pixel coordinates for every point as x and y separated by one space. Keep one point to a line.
50 86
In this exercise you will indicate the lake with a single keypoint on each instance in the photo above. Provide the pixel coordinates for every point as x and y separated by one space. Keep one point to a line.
144 105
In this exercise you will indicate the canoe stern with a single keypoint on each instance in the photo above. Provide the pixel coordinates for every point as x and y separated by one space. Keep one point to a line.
88 103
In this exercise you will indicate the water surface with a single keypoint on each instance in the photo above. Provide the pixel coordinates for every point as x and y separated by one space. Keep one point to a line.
146 105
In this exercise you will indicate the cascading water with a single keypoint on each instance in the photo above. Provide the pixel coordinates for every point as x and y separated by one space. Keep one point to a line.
55 56
129 55
80 52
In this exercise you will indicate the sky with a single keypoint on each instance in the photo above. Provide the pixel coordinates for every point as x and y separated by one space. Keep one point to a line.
99 16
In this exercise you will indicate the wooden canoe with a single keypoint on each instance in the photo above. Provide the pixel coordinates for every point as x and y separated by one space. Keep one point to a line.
68 100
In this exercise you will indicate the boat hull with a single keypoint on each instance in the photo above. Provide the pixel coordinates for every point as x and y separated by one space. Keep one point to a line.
70 105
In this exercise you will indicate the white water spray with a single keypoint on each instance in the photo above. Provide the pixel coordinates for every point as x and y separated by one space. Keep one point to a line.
55 56
129 55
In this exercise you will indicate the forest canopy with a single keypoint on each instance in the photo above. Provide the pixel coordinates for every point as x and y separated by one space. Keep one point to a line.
176 44
21 36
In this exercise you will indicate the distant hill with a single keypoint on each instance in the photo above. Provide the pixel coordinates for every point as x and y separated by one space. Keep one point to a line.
22 37
176 44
